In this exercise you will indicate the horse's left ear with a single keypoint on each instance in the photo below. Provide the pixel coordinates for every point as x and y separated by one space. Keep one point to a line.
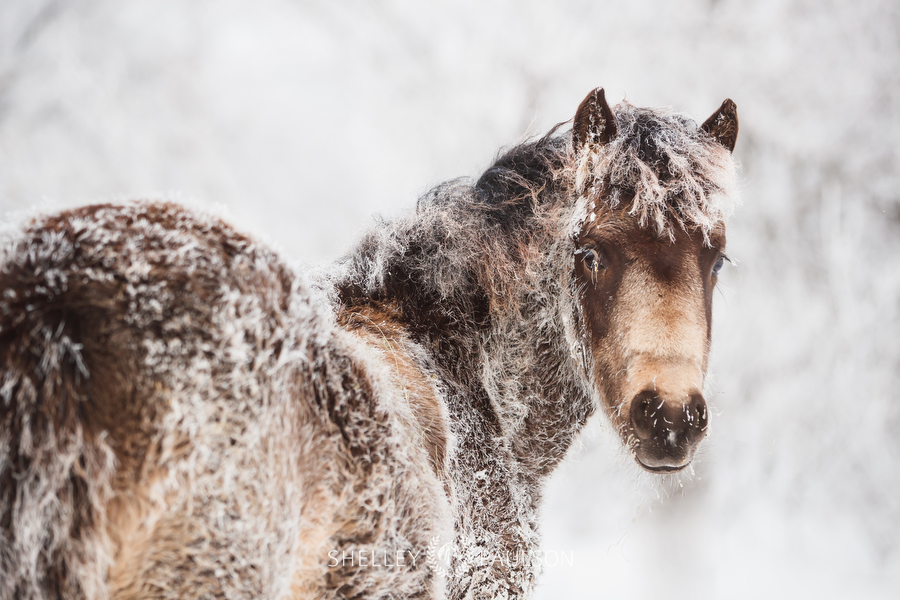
594 120
723 125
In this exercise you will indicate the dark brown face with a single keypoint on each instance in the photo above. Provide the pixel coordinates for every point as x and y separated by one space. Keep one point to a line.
647 305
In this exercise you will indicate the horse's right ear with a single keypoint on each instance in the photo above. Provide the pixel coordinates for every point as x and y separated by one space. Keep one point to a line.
594 121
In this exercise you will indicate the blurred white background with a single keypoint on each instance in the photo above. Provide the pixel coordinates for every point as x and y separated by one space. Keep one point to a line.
306 118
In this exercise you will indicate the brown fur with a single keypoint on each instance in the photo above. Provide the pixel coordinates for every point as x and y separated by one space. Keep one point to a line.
381 328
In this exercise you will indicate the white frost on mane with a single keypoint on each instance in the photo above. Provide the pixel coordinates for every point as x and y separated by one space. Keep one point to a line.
698 194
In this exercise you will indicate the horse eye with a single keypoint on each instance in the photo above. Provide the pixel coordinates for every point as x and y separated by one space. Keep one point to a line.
592 260
718 266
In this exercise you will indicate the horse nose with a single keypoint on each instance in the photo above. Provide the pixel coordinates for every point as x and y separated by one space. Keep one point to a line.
669 422
667 431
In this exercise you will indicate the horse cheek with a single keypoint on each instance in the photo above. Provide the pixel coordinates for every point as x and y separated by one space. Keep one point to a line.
599 304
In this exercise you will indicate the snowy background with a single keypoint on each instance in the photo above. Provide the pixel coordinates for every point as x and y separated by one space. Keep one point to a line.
303 119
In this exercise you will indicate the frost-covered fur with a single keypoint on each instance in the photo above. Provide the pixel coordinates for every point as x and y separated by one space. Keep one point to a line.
184 415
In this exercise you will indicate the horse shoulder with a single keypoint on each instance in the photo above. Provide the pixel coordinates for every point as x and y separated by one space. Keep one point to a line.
418 400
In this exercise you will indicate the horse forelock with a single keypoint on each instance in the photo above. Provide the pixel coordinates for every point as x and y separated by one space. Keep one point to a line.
662 169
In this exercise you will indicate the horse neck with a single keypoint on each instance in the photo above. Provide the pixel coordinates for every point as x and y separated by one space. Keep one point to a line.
532 372
497 337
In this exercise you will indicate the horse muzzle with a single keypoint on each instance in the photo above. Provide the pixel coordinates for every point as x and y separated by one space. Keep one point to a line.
667 431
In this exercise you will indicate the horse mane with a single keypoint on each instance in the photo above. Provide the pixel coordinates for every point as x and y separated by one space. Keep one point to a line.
474 244
663 169
467 242
515 183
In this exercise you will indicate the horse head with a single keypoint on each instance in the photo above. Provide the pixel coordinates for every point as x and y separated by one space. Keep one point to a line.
653 193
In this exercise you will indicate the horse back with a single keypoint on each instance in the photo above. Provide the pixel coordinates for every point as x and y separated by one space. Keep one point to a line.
181 416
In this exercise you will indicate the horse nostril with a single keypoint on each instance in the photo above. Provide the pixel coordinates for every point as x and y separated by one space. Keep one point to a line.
645 414
698 416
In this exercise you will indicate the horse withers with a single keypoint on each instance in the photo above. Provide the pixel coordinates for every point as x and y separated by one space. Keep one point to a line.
183 414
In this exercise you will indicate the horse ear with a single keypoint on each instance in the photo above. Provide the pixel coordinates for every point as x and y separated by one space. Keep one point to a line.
594 120
723 125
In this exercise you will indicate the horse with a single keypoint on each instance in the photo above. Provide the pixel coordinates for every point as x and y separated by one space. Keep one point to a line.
183 413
